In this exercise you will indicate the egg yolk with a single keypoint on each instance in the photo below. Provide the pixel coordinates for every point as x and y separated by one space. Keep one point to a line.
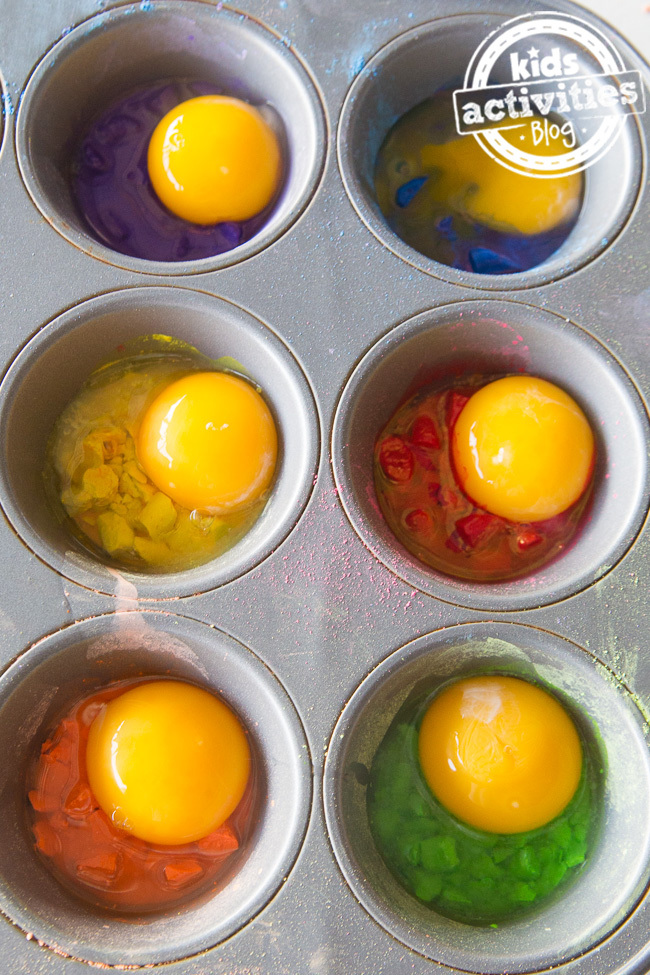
500 753
209 441
167 761
214 158
523 449
495 196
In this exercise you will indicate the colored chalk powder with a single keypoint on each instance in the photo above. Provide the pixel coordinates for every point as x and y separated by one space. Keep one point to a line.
114 191
486 726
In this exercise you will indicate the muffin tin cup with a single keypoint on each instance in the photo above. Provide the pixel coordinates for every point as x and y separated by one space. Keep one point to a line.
51 368
491 338
618 867
69 664
434 56
140 44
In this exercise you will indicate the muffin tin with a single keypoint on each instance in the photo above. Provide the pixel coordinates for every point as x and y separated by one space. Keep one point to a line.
316 626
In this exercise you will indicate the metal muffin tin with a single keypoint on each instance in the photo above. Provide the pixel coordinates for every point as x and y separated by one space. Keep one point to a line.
90 654
316 626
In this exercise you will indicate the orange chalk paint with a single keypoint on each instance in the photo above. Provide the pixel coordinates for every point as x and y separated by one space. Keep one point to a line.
101 862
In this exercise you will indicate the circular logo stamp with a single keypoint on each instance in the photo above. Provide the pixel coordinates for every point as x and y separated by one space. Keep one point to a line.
547 95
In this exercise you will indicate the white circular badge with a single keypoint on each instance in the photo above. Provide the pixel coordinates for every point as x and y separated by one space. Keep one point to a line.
557 80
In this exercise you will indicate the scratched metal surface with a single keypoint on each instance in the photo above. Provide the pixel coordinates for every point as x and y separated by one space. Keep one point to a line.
321 611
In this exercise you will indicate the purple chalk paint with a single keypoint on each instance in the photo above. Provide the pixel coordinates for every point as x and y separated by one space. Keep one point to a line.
114 192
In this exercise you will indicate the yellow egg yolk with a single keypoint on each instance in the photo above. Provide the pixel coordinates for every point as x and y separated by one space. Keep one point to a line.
209 441
467 177
214 158
500 754
523 449
167 761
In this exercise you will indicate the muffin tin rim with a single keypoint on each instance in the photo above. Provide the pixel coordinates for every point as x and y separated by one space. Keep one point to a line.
154 584
357 700
82 240
533 278
103 624
485 597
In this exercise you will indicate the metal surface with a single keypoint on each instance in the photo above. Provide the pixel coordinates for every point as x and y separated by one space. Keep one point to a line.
312 602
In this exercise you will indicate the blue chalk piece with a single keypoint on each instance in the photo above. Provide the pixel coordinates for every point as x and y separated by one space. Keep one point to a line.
485 261
407 191
445 228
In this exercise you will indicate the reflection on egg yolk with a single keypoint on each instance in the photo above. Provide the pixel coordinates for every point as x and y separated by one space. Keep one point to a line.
209 441
167 761
523 449
214 158
500 753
